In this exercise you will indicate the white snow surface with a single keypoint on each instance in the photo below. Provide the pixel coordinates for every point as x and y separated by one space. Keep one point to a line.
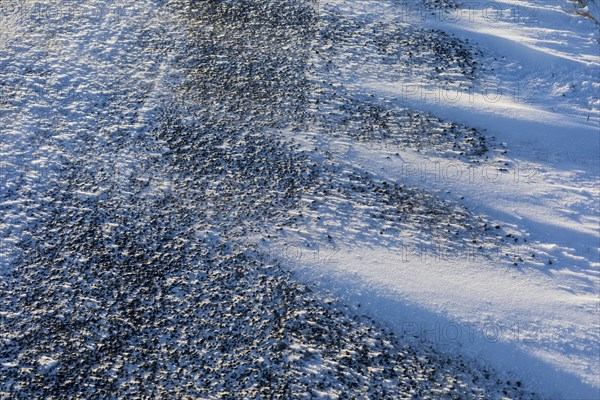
539 97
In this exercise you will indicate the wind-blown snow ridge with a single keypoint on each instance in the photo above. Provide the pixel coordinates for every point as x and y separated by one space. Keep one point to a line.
539 182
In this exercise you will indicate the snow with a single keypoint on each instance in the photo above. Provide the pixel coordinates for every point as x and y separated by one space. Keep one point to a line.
428 171
539 97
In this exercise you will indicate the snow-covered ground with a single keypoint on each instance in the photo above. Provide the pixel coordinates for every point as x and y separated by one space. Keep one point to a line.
428 171
532 307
